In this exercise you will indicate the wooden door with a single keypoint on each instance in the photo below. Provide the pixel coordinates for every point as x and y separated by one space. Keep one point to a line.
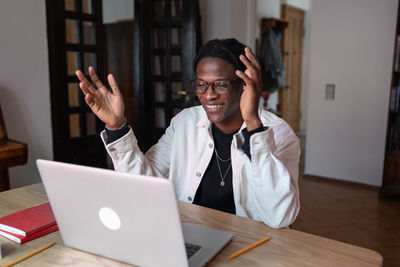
76 41
292 47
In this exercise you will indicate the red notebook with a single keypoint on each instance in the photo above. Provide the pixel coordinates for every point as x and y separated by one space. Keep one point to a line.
28 221
22 239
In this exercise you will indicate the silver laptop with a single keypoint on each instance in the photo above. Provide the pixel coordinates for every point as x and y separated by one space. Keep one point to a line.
129 218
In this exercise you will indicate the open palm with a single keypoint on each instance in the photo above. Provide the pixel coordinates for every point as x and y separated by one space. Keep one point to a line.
250 98
107 105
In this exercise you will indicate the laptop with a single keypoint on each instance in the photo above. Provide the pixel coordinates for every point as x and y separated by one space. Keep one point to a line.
129 218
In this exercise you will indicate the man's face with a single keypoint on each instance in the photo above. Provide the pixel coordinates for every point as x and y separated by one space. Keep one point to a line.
223 110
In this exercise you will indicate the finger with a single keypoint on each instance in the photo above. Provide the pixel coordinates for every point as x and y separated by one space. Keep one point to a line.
250 68
113 84
95 78
248 81
82 77
250 55
89 99
247 72
84 88
85 82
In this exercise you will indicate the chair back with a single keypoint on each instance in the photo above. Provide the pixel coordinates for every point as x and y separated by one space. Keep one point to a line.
3 130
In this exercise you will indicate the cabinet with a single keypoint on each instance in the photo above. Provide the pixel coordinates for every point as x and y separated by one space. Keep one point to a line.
391 174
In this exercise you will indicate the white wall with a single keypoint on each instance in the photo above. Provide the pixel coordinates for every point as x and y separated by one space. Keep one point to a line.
302 4
351 46
268 9
24 82
114 11
228 18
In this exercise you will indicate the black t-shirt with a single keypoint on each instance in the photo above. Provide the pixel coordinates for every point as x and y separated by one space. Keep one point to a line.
210 192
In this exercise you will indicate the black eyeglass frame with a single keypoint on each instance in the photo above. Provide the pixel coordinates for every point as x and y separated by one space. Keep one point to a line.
214 85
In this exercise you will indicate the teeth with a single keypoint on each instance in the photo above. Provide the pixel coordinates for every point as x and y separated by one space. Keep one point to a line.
213 106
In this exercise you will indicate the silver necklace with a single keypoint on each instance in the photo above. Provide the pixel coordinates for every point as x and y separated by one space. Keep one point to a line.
222 183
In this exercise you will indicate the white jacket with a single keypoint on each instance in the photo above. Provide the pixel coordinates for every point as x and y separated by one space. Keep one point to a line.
265 188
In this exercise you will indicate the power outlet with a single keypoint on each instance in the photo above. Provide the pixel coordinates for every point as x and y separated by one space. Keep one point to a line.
330 92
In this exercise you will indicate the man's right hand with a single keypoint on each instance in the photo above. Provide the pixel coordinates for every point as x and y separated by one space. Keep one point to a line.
108 106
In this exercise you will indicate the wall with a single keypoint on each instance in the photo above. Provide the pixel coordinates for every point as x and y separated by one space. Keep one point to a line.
351 46
228 18
114 11
24 82
302 4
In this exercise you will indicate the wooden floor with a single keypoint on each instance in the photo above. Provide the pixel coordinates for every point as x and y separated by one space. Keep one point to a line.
350 213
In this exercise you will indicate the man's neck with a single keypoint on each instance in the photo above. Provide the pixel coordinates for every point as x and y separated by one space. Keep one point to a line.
228 127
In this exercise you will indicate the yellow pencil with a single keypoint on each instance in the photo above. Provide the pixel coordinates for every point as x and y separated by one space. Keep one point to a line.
234 255
28 255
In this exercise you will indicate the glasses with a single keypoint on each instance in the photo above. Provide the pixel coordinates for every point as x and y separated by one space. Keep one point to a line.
219 87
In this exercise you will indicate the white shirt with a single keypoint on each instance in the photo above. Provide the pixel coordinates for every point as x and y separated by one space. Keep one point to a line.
265 188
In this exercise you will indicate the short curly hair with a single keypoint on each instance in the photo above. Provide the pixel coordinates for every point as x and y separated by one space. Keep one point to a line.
226 49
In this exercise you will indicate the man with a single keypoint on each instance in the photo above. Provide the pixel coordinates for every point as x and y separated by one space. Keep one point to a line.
226 154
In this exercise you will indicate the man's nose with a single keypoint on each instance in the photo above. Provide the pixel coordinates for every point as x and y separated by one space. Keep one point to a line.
210 94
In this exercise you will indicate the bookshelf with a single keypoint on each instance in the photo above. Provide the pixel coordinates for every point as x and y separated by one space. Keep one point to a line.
391 173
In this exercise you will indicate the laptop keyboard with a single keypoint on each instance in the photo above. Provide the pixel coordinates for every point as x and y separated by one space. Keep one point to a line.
191 249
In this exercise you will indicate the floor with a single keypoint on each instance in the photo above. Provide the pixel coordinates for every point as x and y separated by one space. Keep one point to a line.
350 213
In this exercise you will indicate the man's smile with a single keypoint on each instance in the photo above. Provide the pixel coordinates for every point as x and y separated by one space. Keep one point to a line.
213 107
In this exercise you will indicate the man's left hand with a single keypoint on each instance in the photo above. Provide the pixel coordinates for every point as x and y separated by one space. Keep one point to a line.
250 98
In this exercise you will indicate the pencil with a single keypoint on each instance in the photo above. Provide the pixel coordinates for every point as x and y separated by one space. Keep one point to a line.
234 255
30 254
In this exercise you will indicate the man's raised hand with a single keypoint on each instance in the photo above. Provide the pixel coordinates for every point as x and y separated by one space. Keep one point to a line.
107 105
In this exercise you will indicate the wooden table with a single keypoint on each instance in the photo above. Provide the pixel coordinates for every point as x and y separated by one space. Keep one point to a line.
286 248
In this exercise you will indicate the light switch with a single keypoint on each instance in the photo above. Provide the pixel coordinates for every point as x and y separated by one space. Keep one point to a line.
330 92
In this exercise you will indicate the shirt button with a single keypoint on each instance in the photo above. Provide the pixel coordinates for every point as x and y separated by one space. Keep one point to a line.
210 145
190 198
198 174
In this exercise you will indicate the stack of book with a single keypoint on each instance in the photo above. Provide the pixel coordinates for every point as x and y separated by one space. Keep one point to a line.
394 104
397 54
28 224
394 135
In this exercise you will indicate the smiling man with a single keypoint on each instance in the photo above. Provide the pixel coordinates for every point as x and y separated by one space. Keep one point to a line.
226 154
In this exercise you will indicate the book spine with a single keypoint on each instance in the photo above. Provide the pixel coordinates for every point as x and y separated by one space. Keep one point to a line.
11 229
39 234
397 54
40 228
22 239
11 237
392 104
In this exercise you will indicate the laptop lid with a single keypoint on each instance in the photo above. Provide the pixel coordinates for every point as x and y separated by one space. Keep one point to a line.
130 218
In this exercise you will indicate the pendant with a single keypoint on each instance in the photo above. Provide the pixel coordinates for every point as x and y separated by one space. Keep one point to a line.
222 183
